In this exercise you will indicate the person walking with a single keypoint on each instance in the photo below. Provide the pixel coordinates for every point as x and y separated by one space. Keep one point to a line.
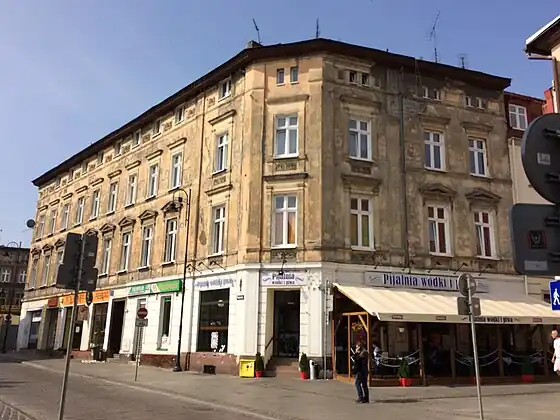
556 355
360 370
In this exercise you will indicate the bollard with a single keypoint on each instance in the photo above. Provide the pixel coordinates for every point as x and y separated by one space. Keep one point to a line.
312 370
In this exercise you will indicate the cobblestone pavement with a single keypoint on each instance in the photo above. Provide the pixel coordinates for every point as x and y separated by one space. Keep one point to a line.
7 412
107 391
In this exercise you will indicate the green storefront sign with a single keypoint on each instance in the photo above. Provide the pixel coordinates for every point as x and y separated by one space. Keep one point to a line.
159 287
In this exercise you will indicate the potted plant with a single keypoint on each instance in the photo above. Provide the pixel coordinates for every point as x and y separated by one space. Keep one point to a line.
259 365
304 366
527 371
404 373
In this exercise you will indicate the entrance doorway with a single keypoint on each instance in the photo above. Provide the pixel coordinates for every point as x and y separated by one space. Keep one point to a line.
115 330
286 323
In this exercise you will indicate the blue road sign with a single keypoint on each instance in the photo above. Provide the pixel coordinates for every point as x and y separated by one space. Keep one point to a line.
555 295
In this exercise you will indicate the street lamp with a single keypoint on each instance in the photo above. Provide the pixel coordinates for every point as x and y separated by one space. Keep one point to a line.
177 204
8 317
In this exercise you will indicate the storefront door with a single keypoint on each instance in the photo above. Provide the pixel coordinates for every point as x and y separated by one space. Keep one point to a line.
116 327
286 323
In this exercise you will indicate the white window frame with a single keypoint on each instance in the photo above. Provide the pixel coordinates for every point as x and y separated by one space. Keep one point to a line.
479 103
221 153
468 101
285 211
280 77
426 93
33 272
357 133
59 259
46 270
517 117
5 274
41 226
106 246
287 129
353 77
432 145
156 127
80 211
179 114
22 277
113 195
54 215
224 89
65 216
359 213
170 245
117 149
146 248
218 229
131 189
294 71
474 152
126 245
160 344
481 226
176 178
436 222
136 138
364 79
95 200
153 180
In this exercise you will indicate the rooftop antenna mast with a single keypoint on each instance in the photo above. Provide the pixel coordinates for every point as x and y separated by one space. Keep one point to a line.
317 30
433 37
463 61
258 32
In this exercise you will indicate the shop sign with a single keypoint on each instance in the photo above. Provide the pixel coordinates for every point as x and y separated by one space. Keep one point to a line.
98 297
52 302
496 320
152 288
213 284
284 279
418 281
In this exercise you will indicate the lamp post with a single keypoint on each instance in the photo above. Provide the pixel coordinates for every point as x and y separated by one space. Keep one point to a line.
8 318
178 204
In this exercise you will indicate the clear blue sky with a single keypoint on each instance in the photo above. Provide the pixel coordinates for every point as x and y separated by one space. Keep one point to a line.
72 71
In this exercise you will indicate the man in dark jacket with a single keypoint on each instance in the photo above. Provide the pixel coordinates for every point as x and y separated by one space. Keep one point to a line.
360 370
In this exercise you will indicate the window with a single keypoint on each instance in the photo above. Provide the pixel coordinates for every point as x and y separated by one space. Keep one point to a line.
359 140
170 240
224 89
280 76
18 296
433 150
5 274
176 170
165 323
59 259
46 270
100 158
95 204
136 138
468 100
106 256
152 180
131 190
156 128
84 167
213 321
431 93
57 180
361 222
22 277
287 136
41 226
517 117
438 225
484 234
480 103
364 79
284 222
477 157
112 202
147 237
125 251
80 211
221 153
219 221
353 77
294 74
33 273
179 114
118 148
65 216
53 221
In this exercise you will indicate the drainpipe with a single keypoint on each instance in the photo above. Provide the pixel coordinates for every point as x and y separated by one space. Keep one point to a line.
403 172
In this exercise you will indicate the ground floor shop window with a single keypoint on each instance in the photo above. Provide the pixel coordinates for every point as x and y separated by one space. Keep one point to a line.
165 319
98 325
213 321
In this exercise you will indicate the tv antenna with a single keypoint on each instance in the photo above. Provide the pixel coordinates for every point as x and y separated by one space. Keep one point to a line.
463 61
433 37
258 32
317 30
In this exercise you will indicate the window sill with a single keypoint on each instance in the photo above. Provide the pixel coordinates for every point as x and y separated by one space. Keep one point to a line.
109 213
134 146
167 263
62 230
91 219
281 84
287 246
437 254
126 206
224 97
150 198
483 257
173 189
77 224
144 268
156 135
219 172
359 159
442 170
102 275
122 272
216 255
478 176
362 248
294 83
287 156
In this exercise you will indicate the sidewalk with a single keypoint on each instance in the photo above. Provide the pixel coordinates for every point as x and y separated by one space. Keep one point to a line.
290 397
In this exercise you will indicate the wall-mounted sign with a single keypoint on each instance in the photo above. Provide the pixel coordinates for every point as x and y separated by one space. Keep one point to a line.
159 287
240 297
284 279
496 320
211 284
418 281
98 297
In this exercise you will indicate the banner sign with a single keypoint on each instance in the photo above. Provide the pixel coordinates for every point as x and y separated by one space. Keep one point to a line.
284 279
159 287
418 281
214 284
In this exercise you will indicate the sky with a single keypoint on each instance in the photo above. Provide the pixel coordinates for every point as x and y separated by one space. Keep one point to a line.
73 71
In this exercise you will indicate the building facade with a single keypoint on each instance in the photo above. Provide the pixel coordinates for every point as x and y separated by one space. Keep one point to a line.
13 277
300 167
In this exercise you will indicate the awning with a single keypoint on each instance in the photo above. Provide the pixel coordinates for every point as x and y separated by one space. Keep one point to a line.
431 306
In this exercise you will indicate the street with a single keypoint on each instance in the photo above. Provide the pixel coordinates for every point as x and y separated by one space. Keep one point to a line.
107 391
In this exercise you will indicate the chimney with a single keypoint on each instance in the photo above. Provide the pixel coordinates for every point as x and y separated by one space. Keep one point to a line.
253 44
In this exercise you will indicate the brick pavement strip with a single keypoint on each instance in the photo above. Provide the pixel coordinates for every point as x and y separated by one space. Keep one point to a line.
8 412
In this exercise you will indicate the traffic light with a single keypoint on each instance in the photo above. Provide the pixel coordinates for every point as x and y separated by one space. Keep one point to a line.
535 228
68 270
89 272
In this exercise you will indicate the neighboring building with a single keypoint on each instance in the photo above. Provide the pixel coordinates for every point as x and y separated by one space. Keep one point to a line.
13 276
293 155
550 101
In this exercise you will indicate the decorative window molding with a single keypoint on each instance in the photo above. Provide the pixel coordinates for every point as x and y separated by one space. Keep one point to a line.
438 192
126 222
172 207
114 173
91 232
132 165
148 215
479 196
107 229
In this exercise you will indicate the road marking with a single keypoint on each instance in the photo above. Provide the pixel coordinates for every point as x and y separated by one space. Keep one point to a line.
184 398
9 412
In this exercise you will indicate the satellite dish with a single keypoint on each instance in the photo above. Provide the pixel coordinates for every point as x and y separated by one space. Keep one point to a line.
30 223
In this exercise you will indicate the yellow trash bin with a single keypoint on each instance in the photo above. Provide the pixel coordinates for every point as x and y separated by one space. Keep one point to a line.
247 368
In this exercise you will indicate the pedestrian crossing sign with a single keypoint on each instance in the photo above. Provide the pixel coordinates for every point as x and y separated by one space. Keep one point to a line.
555 295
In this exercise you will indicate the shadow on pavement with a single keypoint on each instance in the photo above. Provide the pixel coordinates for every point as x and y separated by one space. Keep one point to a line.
9 384
29 356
